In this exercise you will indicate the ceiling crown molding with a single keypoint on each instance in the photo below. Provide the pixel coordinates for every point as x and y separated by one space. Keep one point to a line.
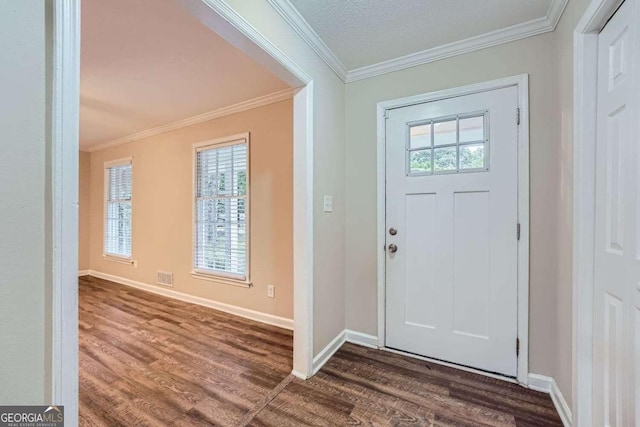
494 38
290 14
523 30
200 118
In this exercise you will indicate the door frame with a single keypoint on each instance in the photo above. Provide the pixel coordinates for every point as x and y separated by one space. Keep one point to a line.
65 95
585 79
62 216
521 82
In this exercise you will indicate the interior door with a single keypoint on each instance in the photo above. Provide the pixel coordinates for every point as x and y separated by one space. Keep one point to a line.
616 351
451 219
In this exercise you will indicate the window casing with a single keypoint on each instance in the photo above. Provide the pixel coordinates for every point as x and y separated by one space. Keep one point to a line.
221 208
118 209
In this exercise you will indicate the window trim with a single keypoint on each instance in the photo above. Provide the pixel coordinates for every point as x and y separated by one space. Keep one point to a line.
107 165
457 144
217 275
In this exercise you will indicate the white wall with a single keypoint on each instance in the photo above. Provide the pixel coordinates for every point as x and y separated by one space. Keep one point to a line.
549 274
329 167
25 358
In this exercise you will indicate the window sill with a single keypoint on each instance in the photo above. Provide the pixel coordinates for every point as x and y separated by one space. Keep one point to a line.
221 279
117 259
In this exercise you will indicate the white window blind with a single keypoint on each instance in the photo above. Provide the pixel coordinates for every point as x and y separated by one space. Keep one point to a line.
117 224
221 210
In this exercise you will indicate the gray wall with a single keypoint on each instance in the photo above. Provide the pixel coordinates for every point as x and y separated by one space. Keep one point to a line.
550 247
563 44
25 355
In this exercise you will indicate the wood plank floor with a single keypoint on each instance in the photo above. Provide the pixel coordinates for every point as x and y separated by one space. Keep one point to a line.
152 361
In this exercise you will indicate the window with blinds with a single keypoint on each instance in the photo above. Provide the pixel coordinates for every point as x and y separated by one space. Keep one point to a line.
221 209
117 223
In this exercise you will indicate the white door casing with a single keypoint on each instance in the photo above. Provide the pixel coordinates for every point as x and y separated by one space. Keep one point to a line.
452 285
616 344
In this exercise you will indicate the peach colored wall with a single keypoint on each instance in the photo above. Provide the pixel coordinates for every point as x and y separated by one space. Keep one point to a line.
163 199
83 211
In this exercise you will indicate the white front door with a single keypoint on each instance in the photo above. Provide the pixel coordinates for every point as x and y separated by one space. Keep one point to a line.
451 230
616 351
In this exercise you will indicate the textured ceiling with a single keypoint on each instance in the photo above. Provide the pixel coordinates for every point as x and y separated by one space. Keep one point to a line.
365 32
146 63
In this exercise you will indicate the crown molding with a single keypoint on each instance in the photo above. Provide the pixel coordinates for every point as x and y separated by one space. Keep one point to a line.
520 31
290 14
194 120
523 30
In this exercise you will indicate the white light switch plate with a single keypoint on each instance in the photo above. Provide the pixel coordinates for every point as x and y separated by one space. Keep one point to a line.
328 204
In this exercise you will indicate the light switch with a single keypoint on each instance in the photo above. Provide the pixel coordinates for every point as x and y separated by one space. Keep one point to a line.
328 204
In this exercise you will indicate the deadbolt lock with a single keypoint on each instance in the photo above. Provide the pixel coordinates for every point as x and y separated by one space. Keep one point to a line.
393 231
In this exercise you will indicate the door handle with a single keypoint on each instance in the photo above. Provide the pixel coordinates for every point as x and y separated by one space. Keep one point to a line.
393 248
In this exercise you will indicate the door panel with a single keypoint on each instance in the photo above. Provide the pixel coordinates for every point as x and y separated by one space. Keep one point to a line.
471 273
420 305
451 194
617 266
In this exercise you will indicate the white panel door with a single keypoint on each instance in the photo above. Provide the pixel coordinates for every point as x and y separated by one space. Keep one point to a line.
451 218
617 232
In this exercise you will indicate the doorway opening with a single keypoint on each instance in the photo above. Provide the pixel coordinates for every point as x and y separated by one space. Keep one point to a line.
235 31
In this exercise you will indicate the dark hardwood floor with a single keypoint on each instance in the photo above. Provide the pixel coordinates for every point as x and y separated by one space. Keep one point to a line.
152 361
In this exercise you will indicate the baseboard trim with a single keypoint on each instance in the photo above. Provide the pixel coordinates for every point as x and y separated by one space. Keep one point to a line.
326 353
269 319
83 273
359 338
548 385
298 375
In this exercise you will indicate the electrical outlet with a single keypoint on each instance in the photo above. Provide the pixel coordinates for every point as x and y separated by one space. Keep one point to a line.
328 203
271 291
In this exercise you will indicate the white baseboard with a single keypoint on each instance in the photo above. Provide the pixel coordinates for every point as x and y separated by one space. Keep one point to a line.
548 385
540 383
359 338
269 319
326 353
335 344
298 375
83 273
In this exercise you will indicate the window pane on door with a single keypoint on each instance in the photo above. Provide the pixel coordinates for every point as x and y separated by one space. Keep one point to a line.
444 159
472 129
420 161
472 156
444 133
420 136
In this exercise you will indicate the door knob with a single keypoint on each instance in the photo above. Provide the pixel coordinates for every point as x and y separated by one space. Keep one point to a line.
393 248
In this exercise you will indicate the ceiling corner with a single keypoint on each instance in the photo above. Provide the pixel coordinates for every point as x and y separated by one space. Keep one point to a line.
556 8
291 15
